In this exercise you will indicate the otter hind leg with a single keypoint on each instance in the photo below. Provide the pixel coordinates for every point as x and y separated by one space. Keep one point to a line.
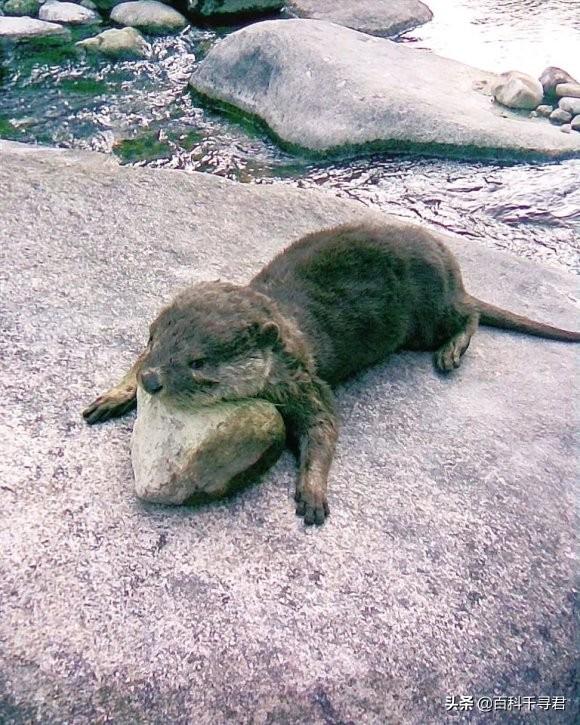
448 356
117 401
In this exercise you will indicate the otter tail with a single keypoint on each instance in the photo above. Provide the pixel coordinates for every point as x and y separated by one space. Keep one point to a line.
497 317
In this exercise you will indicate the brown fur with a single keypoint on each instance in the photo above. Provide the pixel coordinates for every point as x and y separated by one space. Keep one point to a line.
328 306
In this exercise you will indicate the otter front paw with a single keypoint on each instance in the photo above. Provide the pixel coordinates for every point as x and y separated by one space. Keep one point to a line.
111 404
311 503
448 358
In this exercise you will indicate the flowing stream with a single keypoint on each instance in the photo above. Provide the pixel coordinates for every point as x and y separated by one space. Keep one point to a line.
143 112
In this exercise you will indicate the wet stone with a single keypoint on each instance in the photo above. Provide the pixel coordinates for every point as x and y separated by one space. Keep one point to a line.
19 8
568 89
25 28
150 16
570 105
559 116
68 13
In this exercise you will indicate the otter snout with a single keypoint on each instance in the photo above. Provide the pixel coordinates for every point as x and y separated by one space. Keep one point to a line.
150 381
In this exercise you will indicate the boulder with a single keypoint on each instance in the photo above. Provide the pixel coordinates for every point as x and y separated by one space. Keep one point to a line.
568 89
375 17
21 8
177 454
69 13
447 565
560 116
518 90
221 8
25 28
575 123
551 77
325 88
116 43
149 15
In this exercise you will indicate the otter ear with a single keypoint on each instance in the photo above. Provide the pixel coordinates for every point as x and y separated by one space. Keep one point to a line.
269 333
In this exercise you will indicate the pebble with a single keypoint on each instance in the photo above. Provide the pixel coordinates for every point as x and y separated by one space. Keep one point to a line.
568 89
570 105
559 116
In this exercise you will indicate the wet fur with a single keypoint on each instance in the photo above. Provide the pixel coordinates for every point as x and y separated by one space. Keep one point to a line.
328 306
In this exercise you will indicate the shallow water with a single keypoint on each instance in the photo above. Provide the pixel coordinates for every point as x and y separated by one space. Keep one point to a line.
499 35
143 112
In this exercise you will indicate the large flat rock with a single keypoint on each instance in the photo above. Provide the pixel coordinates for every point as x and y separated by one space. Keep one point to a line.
386 18
445 568
327 88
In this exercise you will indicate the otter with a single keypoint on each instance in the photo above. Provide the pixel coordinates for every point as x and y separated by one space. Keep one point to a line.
329 305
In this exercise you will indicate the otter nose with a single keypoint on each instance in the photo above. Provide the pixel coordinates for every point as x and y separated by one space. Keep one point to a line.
151 382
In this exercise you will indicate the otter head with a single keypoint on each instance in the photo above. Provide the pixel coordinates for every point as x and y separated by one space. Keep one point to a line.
214 342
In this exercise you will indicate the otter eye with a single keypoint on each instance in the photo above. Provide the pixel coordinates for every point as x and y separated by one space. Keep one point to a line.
197 364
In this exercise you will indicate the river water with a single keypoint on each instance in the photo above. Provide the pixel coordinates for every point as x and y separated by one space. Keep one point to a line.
142 112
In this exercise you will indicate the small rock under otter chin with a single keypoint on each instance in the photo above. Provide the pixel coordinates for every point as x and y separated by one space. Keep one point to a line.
179 453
